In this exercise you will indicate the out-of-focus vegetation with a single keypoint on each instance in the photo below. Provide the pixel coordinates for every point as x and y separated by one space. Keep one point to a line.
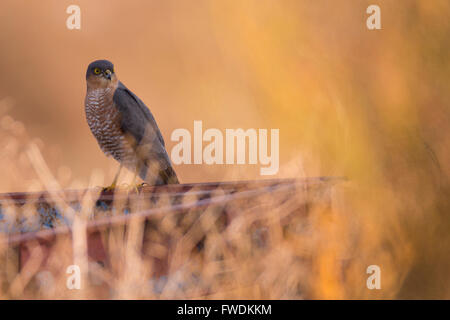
369 105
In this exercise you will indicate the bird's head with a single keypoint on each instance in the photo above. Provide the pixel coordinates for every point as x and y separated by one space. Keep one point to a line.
100 74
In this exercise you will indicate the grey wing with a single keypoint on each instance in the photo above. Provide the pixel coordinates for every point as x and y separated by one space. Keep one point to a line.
138 122
136 117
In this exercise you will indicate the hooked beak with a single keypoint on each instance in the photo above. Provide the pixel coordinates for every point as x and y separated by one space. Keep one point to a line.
108 74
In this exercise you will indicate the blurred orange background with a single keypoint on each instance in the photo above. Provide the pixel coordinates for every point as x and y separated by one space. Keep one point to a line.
369 105
303 67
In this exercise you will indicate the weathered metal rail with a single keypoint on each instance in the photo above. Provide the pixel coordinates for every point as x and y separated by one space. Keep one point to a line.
185 203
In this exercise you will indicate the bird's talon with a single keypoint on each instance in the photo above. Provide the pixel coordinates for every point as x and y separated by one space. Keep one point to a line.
110 188
138 187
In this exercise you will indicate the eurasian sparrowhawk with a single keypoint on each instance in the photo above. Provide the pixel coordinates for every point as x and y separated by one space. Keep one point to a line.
124 127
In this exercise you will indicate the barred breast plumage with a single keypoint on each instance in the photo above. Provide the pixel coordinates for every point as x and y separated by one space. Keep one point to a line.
104 121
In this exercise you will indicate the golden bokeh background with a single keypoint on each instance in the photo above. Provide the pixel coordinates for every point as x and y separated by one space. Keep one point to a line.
373 106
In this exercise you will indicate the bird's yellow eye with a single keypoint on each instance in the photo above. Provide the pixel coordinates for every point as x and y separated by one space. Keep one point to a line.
97 71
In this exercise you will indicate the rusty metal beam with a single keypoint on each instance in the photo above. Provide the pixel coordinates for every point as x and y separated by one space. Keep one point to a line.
229 199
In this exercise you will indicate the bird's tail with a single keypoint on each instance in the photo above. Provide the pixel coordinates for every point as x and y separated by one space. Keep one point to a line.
160 176
168 176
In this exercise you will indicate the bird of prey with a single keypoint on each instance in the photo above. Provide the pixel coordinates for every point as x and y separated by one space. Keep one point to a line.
124 127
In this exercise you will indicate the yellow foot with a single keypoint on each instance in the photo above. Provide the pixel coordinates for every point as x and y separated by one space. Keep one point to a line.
138 187
110 188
